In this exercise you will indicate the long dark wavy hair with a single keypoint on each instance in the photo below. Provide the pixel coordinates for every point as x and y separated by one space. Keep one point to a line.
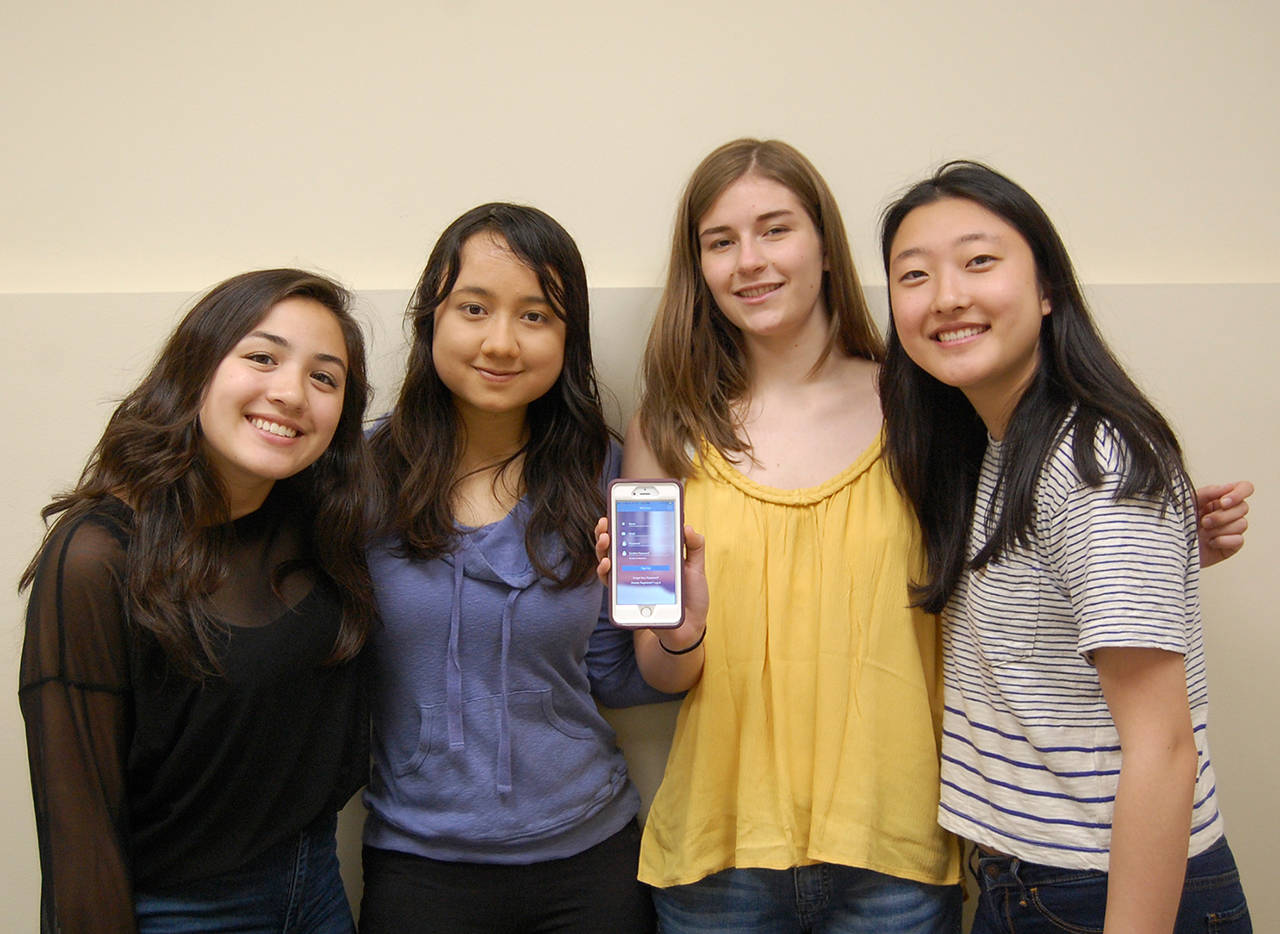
935 439
418 449
151 455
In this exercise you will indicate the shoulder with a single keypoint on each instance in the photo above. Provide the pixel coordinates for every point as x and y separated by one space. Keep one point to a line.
612 462
638 459
77 607
91 547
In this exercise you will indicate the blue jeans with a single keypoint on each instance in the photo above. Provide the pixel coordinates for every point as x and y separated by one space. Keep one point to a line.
823 899
1026 898
292 888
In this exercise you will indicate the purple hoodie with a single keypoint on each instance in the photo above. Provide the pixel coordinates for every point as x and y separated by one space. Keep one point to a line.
488 746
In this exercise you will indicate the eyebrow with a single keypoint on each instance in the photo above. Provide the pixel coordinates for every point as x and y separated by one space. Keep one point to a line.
281 342
485 293
964 238
767 216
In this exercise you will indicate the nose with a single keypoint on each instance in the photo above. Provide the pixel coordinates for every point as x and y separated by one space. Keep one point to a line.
950 293
499 337
751 257
287 388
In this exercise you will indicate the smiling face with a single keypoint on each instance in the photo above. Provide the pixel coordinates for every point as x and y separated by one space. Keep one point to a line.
498 343
967 303
274 401
762 260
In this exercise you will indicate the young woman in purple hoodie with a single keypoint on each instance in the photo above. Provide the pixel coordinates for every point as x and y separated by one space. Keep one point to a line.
499 800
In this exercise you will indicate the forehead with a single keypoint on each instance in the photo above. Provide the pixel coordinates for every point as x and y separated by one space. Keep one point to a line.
304 323
943 222
486 257
748 197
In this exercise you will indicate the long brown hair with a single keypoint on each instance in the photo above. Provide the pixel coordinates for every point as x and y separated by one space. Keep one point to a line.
151 455
418 448
694 366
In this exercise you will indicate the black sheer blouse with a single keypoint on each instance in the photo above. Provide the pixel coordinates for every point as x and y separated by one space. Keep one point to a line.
144 778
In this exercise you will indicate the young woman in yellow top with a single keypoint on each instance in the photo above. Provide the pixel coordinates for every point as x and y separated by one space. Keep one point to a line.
801 791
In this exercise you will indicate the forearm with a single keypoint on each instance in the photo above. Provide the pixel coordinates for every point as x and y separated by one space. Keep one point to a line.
677 667
1150 828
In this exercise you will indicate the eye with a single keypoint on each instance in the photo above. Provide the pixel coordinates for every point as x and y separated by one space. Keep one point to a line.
981 260
328 379
912 276
260 357
717 245
471 309
535 317
776 231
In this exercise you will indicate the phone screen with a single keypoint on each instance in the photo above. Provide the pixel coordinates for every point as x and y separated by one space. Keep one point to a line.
647 559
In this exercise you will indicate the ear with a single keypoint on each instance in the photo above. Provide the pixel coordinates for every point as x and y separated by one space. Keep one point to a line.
1046 307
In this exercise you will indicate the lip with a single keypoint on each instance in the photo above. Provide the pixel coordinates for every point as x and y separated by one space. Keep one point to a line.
270 435
496 376
962 334
760 291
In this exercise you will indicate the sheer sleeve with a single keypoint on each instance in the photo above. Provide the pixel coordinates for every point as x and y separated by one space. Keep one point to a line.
75 701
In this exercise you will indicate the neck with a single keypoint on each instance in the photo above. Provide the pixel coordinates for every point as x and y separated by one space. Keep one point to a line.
492 437
995 410
244 501
787 360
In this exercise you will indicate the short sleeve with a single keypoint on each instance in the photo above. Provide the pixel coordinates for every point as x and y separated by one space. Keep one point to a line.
1127 567
74 698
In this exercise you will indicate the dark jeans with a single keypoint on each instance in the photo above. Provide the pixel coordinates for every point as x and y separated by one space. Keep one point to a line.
592 892
292 888
1026 898
823 898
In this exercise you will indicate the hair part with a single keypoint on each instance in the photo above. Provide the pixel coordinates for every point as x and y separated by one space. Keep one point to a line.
695 367
151 455
418 449
935 441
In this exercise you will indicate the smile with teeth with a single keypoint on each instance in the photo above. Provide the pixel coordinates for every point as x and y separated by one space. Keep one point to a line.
274 428
756 291
958 334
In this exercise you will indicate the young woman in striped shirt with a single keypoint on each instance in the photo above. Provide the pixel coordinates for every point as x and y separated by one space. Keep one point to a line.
1060 536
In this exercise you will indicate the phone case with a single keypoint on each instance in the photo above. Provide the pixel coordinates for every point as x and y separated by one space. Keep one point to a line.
665 624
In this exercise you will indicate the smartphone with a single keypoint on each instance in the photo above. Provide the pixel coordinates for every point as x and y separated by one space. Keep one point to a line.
646 545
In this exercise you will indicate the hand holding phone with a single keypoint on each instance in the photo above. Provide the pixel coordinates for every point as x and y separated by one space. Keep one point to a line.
646 525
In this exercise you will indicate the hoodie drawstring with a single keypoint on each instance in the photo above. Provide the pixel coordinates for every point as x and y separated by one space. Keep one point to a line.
504 723
454 680
454 666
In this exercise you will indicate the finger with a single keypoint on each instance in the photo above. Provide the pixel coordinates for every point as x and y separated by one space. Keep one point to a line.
1223 516
1205 495
1239 527
1227 545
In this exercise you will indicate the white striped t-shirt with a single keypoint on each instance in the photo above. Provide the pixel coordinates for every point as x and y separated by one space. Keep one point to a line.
1030 754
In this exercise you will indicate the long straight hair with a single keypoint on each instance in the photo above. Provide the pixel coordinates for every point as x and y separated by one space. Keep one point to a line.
935 439
419 447
695 366
151 454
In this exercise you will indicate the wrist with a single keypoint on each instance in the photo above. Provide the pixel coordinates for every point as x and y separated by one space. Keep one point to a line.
682 651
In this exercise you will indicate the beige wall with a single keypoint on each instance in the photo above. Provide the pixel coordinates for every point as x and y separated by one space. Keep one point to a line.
151 150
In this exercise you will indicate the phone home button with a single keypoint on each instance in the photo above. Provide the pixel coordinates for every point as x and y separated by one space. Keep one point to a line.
646 611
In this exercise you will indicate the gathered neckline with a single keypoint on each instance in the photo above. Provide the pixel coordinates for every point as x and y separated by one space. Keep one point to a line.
712 460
